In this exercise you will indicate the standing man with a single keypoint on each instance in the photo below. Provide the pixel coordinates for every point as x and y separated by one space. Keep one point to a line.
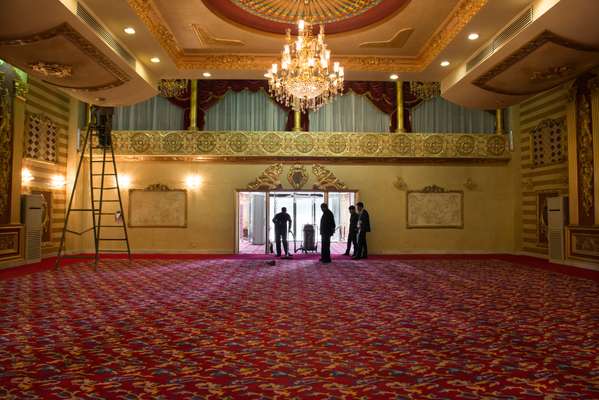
363 228
280 220
352 235
327 229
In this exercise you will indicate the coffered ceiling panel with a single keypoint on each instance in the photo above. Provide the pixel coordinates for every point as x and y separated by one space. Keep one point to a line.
277 15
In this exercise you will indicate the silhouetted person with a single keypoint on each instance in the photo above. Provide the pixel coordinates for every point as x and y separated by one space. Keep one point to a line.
327 229
352 235
363 228
280 220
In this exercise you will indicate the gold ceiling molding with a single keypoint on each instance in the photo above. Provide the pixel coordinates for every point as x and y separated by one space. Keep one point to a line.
52 69
147 12
555 75
396 42
208 40
464 11
85 46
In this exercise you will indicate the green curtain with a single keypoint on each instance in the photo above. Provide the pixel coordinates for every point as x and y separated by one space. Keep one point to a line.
438 115
156 113
246 111
350 113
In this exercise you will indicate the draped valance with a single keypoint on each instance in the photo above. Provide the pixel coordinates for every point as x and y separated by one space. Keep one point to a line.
382 94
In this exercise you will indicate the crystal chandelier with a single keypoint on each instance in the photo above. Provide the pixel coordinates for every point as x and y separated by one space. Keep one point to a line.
305 80
172 87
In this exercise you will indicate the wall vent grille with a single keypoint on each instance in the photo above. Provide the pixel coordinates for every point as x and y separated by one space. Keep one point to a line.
512 30
104 34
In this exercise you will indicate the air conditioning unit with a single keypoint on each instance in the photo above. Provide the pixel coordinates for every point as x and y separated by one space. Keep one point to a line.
557 210
31 217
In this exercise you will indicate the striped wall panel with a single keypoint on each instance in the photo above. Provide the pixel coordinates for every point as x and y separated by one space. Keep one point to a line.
51 103
536 179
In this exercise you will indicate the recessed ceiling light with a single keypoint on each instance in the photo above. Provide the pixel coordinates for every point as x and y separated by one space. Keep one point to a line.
473 36
394 77
444 63
206 74
129 30
155 60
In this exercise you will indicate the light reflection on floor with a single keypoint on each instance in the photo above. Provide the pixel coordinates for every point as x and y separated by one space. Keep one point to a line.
246 247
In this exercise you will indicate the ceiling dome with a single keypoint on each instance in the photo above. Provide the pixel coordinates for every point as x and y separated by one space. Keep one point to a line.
277 15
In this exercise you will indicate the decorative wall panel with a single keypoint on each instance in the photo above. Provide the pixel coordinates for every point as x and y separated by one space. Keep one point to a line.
583 243
433 207
11 242
46 215
41 138
548 142
377 147
6 148
158 207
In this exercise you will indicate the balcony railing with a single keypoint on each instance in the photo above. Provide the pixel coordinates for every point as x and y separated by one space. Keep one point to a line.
377 147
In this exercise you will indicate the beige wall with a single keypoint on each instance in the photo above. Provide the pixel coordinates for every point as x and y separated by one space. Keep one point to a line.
489 222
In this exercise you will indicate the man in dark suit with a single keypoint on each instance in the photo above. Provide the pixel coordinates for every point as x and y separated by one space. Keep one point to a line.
352 234
327 229
280 220
363 228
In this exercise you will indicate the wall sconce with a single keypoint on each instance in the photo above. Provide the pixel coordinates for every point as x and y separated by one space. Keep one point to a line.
470 184
193 181
57 181
400 184
124 181
26 176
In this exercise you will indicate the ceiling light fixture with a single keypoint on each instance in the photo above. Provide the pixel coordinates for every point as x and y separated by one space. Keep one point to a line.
155 60
206 74
394 77
473 36
445 63
305 80
129 30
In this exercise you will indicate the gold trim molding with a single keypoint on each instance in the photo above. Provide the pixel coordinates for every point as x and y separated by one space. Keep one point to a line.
310 146
67 32
460 16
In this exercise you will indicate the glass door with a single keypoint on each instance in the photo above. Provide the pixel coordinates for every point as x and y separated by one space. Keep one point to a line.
339 203
302 207
251 222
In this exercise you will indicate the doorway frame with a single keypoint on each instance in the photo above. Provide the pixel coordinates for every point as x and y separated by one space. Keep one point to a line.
356 193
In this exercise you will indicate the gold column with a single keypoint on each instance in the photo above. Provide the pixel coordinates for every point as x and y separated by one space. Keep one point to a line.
499 121
193 106
297 121
400 125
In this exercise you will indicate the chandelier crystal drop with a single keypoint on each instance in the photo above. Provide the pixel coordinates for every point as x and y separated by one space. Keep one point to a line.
305 80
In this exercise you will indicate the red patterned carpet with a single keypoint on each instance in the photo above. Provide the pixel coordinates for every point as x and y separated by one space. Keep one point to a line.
217 329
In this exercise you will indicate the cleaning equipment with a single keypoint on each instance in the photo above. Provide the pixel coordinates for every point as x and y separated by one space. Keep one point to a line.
309 244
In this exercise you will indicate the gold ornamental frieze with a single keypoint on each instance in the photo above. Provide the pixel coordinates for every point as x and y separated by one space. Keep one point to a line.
340 146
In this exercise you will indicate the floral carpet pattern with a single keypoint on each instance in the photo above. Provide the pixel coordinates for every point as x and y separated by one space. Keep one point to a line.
235 329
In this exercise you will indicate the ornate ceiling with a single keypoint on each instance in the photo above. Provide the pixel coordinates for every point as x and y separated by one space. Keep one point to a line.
276 15
239 39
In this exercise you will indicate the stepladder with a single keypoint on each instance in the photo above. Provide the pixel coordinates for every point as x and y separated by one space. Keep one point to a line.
101 195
